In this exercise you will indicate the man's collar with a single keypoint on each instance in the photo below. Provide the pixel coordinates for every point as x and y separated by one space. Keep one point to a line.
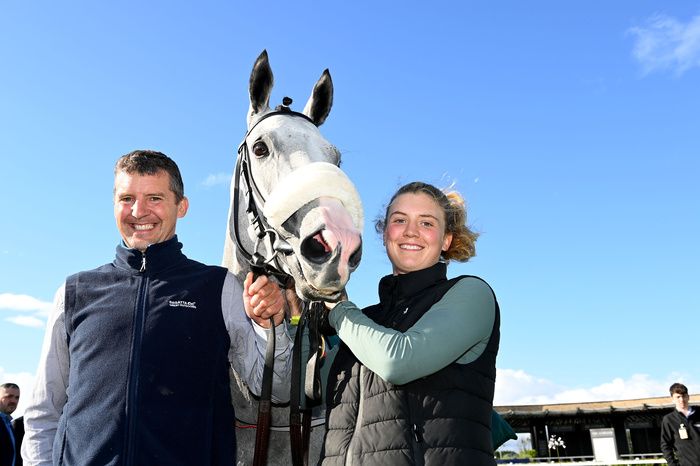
156 257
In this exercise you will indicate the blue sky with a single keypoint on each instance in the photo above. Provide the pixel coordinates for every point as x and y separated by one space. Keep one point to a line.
570 127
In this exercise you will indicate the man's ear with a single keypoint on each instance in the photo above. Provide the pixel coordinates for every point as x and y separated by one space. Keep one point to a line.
182 207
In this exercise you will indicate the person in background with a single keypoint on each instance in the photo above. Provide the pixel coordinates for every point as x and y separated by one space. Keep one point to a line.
413 380
9 397
135 363
680 430
18 429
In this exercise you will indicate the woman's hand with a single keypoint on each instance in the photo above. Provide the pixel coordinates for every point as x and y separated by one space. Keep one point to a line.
263 299
331 304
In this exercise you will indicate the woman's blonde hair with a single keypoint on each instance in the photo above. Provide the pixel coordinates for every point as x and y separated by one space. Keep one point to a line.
463 245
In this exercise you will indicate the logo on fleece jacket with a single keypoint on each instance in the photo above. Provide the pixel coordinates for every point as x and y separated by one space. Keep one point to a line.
187 304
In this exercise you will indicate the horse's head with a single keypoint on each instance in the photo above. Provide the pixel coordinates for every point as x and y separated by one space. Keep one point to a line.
292 209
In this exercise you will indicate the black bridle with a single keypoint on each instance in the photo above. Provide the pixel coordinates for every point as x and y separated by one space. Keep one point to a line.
255 203
300 419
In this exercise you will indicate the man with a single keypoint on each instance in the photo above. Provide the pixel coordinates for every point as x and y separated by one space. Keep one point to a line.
9 397
680 430
135 362
18 430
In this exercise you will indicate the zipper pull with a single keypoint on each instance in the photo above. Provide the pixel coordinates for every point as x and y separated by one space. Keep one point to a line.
418 433
143 262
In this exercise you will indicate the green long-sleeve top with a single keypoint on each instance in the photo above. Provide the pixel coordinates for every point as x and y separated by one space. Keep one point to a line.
455 329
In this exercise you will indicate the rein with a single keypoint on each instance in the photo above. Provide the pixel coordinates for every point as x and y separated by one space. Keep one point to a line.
300 419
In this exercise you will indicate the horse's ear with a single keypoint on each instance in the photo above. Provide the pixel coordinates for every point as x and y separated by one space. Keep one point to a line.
260 85
319 105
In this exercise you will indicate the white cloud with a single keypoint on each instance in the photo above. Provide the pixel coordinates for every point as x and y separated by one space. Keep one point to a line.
23 302
516 387
25 380
216 179
27 321
665 43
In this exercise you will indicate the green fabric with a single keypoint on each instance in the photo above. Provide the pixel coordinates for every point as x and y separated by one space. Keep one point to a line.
456 329
501 431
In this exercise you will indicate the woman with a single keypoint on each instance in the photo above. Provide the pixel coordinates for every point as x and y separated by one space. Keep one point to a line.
414 377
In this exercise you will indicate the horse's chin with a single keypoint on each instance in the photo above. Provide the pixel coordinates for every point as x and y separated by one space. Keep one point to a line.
310 293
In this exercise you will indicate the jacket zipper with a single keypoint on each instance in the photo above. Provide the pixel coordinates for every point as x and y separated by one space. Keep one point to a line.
134 370
358 421
416 435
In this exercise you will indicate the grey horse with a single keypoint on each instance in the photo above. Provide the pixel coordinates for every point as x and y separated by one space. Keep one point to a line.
305 222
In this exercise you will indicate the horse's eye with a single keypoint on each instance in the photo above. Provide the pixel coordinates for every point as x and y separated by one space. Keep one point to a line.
260 149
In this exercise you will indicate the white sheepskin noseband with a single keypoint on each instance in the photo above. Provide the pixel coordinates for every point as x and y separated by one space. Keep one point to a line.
309 182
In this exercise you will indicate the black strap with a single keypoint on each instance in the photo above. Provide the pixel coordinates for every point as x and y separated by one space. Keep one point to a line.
312 382
262 434
300 418
306 431
259 265
295 412
236 193
257 221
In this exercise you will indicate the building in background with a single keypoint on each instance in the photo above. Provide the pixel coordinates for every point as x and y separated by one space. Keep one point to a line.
623 428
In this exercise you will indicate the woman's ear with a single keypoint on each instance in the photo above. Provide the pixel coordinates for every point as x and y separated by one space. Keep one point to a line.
446 242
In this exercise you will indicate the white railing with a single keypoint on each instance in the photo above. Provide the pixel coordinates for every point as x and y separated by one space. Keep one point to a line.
589 461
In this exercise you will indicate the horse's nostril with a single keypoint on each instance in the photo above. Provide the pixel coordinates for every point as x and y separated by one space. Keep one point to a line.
315 249
354 259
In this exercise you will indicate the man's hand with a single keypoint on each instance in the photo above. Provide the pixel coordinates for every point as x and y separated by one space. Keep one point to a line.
263 299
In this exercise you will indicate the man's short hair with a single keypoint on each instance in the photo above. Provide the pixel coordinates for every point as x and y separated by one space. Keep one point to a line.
10 385
150 162
678 388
